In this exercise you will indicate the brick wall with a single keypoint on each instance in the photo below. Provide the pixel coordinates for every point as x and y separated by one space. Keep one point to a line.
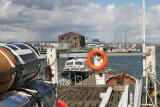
75 40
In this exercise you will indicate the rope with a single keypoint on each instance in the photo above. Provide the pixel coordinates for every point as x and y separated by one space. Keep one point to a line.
157 81
150 97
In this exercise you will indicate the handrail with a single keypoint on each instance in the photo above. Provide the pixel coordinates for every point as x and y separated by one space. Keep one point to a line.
84 54
105 97
124 98
138 94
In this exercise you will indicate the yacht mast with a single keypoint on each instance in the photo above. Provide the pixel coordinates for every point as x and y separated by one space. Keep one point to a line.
144 45
143 29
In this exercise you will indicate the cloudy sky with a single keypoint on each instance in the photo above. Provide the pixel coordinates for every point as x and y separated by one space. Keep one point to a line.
37 20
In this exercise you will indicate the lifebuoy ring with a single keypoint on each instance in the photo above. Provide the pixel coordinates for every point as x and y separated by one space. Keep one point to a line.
104 56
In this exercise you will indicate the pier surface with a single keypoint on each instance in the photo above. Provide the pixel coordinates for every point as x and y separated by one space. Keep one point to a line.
89 96
85 96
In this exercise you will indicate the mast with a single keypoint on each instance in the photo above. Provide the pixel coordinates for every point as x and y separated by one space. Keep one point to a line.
125 40
144 46
143 29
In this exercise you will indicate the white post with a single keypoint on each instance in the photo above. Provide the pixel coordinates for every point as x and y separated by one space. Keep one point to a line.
131 99
100 79
144 46
154 71
52 61
151 66
140 93
136 91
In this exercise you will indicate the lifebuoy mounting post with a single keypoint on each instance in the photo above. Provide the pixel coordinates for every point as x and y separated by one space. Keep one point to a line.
104 56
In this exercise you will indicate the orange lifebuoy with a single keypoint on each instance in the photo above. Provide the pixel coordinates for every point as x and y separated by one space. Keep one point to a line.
104 56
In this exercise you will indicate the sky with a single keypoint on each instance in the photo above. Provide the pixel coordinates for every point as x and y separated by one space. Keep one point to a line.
119 3
107 20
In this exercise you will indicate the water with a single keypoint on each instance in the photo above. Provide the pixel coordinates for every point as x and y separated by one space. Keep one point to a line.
131 64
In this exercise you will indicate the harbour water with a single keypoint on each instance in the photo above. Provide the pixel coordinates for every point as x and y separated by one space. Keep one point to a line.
131 64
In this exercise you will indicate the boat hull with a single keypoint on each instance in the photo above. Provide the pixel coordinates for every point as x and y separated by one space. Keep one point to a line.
117 80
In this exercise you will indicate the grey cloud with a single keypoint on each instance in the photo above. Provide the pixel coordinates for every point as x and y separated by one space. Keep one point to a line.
49 4
41 4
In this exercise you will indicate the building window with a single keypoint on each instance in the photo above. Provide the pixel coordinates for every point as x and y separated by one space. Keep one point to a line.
75 44
62 38
75 38
68 39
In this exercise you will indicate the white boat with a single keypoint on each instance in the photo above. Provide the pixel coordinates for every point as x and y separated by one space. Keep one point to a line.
77 64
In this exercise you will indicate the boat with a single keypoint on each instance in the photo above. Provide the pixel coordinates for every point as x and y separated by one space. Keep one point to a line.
120 79
75 70
77 65
119 50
